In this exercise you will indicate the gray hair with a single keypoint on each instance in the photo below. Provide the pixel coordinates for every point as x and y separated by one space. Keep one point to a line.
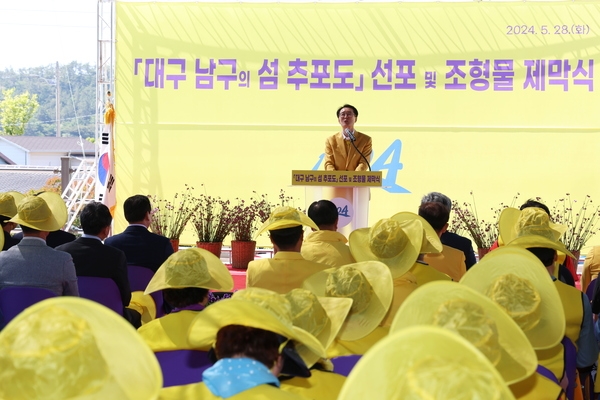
437 197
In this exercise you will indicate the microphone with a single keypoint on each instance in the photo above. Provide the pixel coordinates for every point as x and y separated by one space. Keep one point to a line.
350 134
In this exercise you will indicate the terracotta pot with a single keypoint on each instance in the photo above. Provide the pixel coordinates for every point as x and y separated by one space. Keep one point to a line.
482 252
175 244
242 252
213 247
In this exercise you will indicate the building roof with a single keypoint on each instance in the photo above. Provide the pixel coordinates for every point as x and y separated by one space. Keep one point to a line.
23 181
52 144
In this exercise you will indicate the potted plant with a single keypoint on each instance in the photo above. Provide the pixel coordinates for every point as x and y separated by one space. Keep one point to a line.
247 217
213 221
467 220
169 219
582 222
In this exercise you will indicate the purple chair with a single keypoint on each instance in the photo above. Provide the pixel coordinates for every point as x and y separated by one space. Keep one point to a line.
15 299
101 290
343 365
182 367
139 277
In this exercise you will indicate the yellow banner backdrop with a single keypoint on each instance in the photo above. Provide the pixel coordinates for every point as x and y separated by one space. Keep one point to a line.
497 99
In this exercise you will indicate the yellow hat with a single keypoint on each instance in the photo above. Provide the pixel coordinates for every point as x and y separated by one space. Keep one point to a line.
534 229
192 267
45 212
482 322
369 284
286 217
69 347
517 281
8 204
424 362
322 317
396 244
203 330
431 241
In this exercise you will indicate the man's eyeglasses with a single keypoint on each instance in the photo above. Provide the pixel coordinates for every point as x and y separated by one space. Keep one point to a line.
346 114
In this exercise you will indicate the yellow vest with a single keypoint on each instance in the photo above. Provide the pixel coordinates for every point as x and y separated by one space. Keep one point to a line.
572 302
169 332
553 359
426 273
403 286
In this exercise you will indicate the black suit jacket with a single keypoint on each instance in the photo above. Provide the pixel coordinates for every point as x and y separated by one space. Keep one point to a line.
460 243
92 258
142 247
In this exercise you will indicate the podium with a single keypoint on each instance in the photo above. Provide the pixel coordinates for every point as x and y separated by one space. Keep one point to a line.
348 190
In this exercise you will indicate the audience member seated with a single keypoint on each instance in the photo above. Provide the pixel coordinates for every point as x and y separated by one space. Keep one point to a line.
141 247
450 261
57 237
8 209
326 245
185 279
322 317
369 284
508 220
424 362
287 269
430 245
535 233
397 245
73 348
32 262
450 238
248 341
515 279
92 258
484 324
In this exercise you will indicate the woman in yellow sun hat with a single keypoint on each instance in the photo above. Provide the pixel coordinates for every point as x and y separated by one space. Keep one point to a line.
247 340
185 279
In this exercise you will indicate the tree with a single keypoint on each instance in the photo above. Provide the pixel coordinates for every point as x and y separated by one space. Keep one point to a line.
16 111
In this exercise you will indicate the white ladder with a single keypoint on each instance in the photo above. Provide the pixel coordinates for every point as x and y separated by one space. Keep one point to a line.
80 190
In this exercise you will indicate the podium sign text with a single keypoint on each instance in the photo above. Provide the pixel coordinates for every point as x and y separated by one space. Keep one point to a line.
336 178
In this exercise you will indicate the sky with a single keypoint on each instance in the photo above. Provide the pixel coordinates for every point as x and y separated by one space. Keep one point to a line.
35 33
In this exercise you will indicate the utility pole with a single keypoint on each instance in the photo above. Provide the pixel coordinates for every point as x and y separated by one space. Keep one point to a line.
57 101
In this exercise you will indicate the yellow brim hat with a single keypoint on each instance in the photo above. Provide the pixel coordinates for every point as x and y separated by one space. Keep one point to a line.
507 225
360 324
203 330
192 267
424 362
548 320
79 349
323 320
431 241
528 241
8 204
286 217
396 244
488 326
45 212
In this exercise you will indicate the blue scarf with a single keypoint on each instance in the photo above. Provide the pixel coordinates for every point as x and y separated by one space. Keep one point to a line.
230 376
